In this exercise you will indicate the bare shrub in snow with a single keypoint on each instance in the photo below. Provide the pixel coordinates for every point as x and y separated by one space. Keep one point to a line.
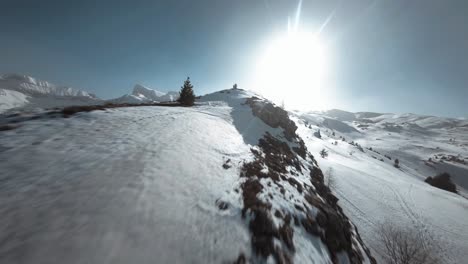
406 246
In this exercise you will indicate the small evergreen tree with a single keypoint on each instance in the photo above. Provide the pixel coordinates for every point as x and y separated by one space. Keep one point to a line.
187 97
234 86
397 163
324 153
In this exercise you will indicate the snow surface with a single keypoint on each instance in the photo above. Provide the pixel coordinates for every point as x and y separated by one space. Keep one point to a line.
373 192
11 99
135 185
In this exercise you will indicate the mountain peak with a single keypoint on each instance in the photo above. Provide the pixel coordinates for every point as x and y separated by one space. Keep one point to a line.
139 89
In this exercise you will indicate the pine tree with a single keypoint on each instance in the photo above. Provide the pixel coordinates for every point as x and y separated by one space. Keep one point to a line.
234 87
397 163
187 97
324 153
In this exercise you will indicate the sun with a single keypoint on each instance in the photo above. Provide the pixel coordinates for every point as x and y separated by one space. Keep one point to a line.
292 69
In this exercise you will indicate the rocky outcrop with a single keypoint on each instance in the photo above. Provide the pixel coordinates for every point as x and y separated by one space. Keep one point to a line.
276 169
442 181
273 116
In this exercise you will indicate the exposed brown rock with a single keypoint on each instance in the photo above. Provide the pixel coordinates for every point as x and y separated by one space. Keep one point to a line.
329 224
273 116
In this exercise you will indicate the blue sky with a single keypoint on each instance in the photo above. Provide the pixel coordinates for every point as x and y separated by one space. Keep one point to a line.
386 56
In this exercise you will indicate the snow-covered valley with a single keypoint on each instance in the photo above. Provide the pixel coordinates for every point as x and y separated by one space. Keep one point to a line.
373 192
155 184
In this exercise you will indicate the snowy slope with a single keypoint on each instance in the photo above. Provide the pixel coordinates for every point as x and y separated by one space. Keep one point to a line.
25 93
11 99
165 185
373 192
413 139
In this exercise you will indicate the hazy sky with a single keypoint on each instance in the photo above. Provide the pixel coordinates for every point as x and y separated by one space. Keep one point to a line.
387 56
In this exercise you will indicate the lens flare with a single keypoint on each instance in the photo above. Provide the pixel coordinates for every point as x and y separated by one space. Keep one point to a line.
292 69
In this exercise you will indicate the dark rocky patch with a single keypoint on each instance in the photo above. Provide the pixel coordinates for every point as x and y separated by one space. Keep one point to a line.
330 224
71 110
273 116
278 155
250 189
311 226
296 184
241 259
263 231
222 205
442 181
227 164
8 127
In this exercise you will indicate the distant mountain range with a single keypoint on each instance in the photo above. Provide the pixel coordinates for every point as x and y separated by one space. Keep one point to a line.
25 93
34 87
143 94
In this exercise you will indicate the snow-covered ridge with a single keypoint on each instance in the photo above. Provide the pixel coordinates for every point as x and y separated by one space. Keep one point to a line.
225 181
282 185
32 86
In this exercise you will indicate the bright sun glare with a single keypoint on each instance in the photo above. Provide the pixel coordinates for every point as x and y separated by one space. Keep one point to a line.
292 69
